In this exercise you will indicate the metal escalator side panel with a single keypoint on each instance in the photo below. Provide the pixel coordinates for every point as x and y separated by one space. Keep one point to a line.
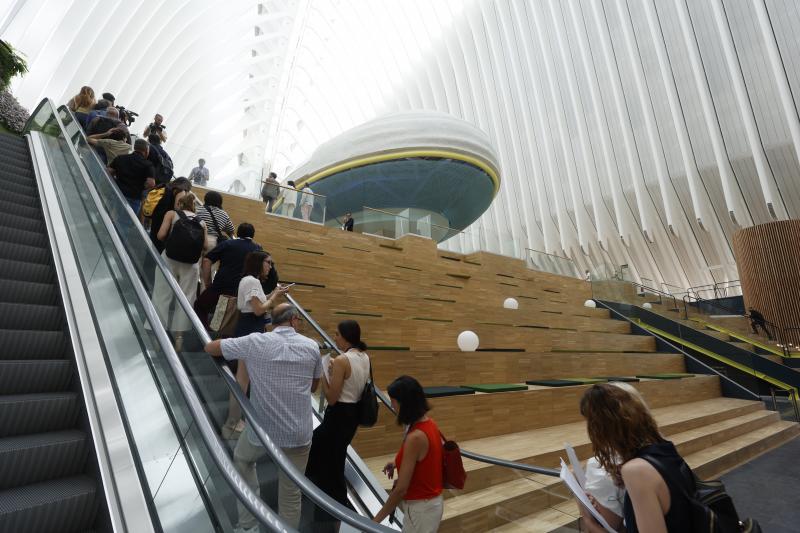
127 506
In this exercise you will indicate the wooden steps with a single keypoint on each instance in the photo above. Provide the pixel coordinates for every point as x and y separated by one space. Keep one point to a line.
412 300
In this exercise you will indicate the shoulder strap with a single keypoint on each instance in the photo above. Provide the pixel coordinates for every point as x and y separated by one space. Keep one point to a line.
210 210
181 214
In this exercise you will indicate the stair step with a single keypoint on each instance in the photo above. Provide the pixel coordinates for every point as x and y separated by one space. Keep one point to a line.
18 185
523 495
16 164
38 413
30 317
33 225
30 344
10 235
25 254
21 210
21 271
66 505
27 459
22 199
32 376
26 292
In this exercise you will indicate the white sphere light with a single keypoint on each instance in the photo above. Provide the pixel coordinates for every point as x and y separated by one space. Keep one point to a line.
467 341
511 303
589 303
647 305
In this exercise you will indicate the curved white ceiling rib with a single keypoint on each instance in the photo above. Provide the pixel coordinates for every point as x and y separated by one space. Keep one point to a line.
636 132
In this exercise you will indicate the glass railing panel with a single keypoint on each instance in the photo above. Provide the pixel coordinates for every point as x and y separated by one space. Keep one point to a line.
563 266
132 351
303 204
188 341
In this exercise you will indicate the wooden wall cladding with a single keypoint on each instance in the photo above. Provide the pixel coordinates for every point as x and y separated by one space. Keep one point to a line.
768 258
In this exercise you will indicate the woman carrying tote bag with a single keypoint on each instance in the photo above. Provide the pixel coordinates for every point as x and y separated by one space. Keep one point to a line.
343 384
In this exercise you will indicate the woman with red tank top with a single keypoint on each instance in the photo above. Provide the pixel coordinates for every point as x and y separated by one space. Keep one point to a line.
419 463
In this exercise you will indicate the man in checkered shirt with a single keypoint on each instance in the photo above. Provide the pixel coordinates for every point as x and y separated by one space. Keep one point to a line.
284 369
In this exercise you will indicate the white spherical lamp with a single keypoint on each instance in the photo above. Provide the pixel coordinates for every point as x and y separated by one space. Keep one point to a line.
511 303
467 341
589 303
647 305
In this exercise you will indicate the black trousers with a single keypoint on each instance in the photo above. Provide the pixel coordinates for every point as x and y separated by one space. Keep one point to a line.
329 450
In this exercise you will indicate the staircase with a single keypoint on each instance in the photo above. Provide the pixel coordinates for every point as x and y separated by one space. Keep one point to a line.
48 481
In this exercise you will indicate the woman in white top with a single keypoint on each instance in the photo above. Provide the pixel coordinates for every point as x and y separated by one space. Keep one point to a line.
343 383
181 260
289 199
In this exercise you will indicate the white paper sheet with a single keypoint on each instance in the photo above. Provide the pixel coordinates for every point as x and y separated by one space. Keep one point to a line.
326 367
577 469
579 493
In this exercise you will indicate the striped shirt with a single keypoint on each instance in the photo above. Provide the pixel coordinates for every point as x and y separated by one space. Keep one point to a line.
224 221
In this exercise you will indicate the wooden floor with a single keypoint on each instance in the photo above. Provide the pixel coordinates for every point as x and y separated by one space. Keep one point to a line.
412 300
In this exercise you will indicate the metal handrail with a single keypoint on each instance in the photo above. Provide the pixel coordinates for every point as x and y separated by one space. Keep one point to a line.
331 506
330 344
263 513
779 332
660 293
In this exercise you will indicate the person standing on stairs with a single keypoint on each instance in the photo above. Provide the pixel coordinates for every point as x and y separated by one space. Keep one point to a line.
284 368
419 462
184 235
343 384
628 445
757 320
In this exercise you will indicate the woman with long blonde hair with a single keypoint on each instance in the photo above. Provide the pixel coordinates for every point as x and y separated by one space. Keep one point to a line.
83 102
629 446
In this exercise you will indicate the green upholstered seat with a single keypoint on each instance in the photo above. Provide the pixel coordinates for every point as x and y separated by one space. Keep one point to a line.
553 382
587 381
619 378
496 387
437 392
660 376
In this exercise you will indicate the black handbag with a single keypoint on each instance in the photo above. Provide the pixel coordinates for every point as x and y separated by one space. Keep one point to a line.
367 406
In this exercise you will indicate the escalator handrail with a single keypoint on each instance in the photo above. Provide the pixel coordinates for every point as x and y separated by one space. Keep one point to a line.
331 506
238 485
330 344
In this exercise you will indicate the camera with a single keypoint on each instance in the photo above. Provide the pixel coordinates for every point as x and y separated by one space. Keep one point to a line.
156 127
126 115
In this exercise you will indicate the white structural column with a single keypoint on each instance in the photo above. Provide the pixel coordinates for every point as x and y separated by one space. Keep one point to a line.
765 177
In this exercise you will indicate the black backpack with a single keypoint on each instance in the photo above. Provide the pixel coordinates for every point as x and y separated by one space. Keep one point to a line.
711 507
186 240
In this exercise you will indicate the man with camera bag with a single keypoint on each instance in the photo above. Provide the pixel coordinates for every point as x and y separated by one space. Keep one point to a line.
156 127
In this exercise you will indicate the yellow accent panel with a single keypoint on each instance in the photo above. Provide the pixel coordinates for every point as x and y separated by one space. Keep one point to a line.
739 336
718 357
389 156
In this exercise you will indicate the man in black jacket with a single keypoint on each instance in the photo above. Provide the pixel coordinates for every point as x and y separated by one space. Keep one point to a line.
757 320
164 171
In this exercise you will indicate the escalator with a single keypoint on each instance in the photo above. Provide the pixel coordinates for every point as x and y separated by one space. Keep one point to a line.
48 475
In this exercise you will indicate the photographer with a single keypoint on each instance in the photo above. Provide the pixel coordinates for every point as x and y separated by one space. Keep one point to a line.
156 127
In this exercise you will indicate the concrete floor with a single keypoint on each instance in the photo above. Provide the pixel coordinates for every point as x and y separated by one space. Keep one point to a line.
767 489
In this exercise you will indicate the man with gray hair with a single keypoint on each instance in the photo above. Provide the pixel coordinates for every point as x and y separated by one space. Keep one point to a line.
284 368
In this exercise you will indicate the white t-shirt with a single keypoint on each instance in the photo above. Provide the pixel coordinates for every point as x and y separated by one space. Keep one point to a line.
289 196
353 387
249 287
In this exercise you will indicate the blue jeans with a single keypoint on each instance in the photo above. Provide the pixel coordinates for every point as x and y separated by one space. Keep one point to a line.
135 203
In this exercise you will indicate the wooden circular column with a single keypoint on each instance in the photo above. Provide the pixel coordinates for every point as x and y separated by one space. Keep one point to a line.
768 259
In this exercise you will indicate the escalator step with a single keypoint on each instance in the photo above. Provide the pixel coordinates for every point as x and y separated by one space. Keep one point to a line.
27 459
28 238
20 210
37 413
30 344
66 505
23 199
30 317
14 143
210 388
22 223
25 179
20 271
17 171
26 292
25 254
34 375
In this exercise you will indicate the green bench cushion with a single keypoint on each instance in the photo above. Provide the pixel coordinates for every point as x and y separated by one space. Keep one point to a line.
619 378
587 381
437 392
553 382
496 387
